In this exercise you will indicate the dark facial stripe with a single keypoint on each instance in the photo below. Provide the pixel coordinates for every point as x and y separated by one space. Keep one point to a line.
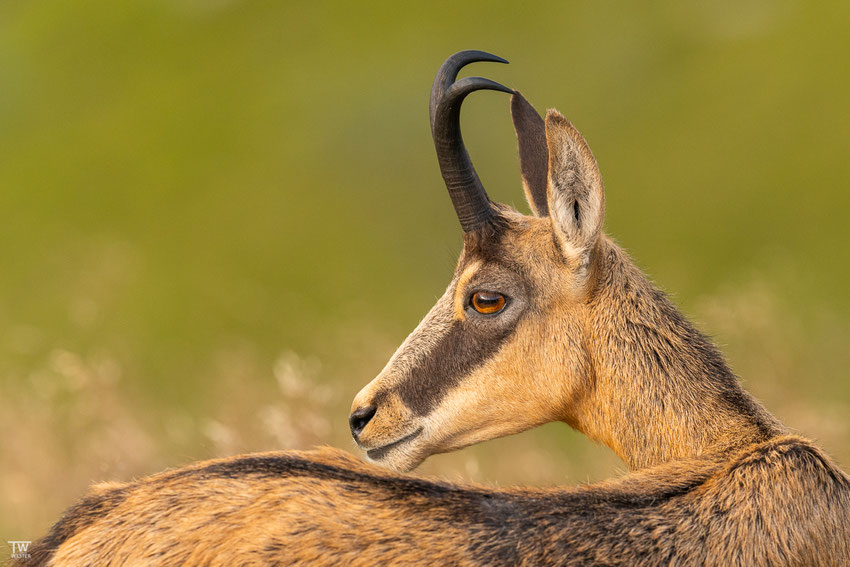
462 349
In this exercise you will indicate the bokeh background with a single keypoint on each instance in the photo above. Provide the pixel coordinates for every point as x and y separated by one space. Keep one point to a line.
219 218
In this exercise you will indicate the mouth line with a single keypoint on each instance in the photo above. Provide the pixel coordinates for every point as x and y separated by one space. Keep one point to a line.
380 452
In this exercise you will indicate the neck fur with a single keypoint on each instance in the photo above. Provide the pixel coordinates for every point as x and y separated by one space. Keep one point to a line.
659 389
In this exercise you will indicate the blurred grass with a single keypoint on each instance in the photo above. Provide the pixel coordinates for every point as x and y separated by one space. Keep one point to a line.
219 218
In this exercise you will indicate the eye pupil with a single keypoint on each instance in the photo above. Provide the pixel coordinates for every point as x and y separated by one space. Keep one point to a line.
488 302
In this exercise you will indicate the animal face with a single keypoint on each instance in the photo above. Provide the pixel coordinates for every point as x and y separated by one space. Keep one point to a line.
503 349
463 376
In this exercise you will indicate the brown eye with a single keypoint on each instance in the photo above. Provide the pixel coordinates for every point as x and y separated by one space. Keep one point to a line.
488 302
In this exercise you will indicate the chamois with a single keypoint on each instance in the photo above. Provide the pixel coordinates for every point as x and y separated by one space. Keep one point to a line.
545 319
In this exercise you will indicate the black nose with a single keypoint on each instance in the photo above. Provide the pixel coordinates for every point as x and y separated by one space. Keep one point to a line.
359 418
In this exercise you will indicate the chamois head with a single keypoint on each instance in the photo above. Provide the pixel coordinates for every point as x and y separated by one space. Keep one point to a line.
504 349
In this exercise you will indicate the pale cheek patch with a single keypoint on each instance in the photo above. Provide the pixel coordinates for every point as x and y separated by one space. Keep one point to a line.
460 289
494 401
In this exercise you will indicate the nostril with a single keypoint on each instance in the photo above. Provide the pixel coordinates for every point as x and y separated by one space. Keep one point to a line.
359 418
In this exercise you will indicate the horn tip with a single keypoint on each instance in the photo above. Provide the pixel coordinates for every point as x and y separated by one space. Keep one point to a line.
473 55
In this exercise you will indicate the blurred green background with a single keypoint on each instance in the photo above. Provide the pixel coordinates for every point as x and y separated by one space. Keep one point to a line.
219 218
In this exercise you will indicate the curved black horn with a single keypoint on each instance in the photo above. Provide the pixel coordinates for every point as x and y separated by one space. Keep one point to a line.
468 196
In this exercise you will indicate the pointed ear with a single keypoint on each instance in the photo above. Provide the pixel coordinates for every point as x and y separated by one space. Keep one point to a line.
576 198
533 153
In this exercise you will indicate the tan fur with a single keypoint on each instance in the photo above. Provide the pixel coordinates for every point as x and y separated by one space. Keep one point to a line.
460 288
335 510
584 339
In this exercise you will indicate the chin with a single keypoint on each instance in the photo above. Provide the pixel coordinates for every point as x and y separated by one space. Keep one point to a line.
401 461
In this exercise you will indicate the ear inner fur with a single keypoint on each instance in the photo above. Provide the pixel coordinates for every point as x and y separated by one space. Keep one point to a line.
575 194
